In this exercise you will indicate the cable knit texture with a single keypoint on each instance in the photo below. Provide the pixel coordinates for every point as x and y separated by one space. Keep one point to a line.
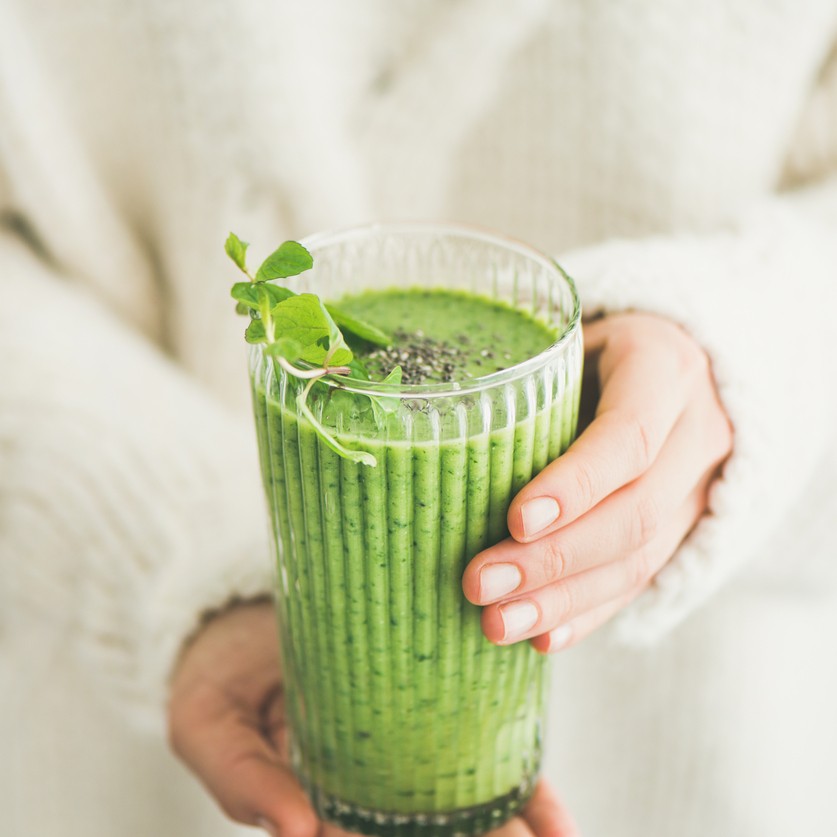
675 156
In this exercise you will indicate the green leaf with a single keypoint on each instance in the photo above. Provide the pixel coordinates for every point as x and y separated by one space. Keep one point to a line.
242 308
289 259
245 293
339 353
249 293
359 328
255 332
393 380
348 406
276 292
383 404
359 371
285 347
304 319
236 249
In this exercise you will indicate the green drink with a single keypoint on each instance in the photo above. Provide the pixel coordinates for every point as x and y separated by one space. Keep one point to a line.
405 720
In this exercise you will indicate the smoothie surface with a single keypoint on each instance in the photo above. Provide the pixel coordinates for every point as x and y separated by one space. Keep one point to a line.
441 335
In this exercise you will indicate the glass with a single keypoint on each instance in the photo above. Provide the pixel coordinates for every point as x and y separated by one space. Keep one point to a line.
404 719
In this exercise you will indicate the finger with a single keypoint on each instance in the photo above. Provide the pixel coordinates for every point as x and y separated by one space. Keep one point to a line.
547 816
650 560
596 333
615 528
560 603
571 633
642 397
222 744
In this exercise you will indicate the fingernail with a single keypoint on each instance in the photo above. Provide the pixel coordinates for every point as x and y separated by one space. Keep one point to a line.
537 514
498 579
518 618
559 637
267 826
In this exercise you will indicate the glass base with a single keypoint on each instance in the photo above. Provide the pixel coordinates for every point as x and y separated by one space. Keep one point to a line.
461 822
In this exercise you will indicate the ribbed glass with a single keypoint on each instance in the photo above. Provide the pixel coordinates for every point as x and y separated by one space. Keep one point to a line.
404 719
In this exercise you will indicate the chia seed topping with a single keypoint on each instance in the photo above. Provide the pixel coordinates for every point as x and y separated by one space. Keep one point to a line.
424 359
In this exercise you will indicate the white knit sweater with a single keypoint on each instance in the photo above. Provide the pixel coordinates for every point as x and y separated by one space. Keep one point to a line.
682 151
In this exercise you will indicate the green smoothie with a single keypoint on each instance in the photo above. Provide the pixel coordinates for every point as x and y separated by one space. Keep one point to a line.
405 716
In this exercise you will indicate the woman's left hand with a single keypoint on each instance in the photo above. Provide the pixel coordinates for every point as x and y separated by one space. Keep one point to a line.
593 528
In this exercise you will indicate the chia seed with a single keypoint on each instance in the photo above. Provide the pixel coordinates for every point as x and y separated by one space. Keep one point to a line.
421 358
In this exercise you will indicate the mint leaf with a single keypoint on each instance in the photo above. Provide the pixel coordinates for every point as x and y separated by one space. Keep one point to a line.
255 332
284 347
248 293
393 380
236 249
245 293
289 259
338 353
304 319
348 407
365 331
359 371
242 308
384 404
276 292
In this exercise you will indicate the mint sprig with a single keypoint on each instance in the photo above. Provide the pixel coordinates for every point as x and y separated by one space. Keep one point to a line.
302 328
236 249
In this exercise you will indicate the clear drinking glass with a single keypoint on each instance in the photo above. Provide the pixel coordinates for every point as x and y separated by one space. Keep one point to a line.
404 719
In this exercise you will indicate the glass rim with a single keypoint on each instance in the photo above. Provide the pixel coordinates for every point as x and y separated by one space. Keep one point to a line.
469 385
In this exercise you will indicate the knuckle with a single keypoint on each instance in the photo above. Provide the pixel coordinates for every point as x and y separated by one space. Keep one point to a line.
563 603
714 432
692 360
722 436
554 560
585 484
644 522
627 340
558 604
640 570
648 562
639 441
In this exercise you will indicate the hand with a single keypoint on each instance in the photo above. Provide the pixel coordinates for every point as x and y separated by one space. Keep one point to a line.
589 533
226 723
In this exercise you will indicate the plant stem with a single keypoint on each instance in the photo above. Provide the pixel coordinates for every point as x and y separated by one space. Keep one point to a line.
311 374
359 456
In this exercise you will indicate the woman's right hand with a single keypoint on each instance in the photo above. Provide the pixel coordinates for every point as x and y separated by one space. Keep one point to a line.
227 724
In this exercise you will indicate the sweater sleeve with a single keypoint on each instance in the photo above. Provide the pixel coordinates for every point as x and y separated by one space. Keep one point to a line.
131 500
759 296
